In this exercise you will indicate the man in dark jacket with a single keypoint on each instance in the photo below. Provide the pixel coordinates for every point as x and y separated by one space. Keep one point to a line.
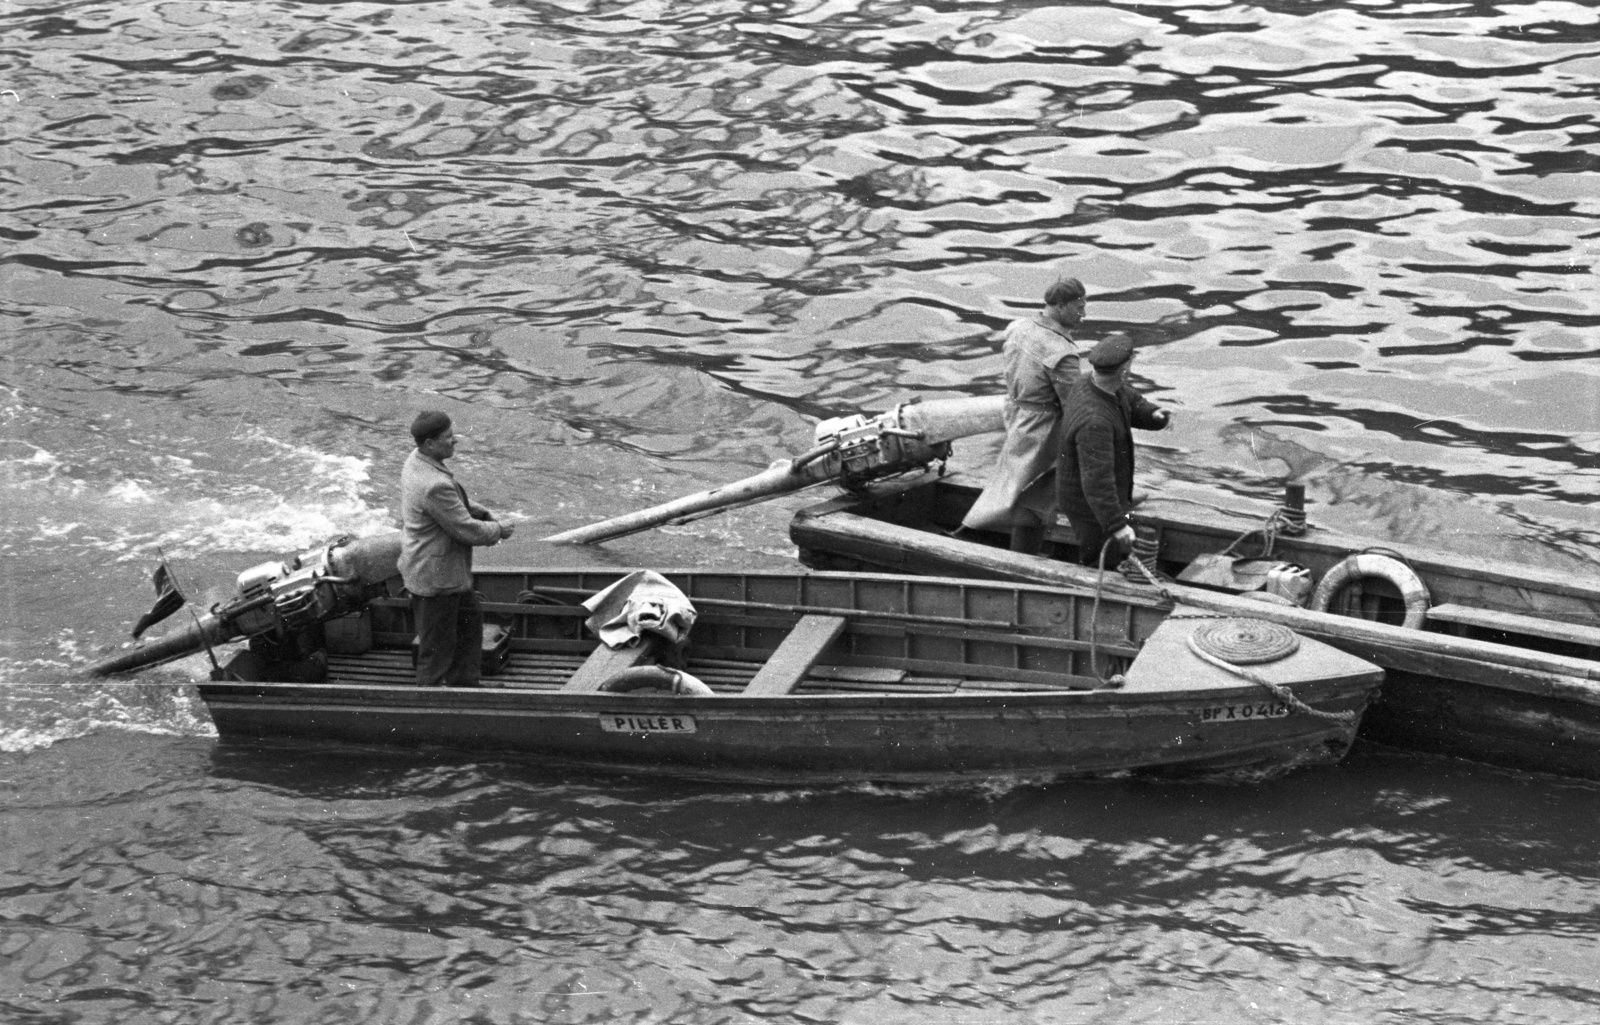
1095 475
440 526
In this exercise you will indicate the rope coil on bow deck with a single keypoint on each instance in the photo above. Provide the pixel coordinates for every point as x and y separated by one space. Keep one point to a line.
1246 642
1263 650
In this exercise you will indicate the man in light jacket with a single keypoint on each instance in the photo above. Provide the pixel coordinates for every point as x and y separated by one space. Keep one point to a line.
440 527
1041 363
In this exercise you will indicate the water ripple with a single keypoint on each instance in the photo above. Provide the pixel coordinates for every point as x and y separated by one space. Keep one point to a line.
245 243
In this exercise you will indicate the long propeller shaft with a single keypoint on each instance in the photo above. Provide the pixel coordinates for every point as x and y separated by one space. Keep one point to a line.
912 435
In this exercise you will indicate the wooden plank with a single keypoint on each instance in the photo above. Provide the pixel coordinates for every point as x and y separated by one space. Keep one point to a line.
1511 622
867 625
531 609
512 608
602 665
970 672
795 656
812 686
858 674
1077 685
557 645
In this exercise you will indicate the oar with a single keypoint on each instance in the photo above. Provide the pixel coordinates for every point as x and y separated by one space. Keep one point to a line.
848 448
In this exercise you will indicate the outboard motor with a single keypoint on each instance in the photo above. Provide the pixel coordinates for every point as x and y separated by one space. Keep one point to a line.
277 601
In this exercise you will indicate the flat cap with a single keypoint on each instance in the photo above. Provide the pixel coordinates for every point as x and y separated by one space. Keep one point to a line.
430 423
1113 351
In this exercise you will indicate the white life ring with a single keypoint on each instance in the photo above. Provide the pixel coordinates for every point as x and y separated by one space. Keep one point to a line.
1371 564
659 677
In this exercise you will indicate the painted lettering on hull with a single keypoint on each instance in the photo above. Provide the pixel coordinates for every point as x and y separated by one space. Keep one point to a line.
619 722
1242 713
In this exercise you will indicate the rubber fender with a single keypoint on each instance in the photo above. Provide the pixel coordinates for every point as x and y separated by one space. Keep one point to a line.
1384 567
657 677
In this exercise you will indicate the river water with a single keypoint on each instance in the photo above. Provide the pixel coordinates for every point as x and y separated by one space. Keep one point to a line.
637 249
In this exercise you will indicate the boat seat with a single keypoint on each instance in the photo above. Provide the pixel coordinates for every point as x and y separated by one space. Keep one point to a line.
602 664
793 658
1511 622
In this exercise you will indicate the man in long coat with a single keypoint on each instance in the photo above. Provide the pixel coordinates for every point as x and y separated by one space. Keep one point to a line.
1041 365
1095 477
440 527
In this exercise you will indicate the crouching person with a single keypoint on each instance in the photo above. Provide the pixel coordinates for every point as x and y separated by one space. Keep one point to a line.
440 527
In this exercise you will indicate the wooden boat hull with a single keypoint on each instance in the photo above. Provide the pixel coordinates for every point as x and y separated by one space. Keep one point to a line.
840 738
1492 695
930 688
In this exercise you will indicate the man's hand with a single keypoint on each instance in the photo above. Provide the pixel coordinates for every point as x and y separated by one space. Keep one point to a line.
1124 537
1163 417
506 529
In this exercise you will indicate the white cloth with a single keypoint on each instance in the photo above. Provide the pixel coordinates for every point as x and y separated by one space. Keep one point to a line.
642 602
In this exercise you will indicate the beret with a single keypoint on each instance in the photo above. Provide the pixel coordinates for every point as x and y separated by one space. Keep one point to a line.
1113 351
430 423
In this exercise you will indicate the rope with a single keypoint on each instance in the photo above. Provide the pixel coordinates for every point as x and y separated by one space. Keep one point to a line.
1116 680
1247 641
1277 690
1094 624
1279 521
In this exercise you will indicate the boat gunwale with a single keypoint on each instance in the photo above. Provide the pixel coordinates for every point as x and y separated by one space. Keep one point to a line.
1334 688
1142 599
1155 511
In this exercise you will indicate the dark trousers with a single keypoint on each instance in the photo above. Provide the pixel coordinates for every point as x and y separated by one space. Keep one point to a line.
449 639
1090 539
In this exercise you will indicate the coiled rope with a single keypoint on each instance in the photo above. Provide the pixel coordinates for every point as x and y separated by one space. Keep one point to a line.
1279 691
1245 642
1227 636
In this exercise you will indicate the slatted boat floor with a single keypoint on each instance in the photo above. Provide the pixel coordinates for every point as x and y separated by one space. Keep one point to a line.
548 671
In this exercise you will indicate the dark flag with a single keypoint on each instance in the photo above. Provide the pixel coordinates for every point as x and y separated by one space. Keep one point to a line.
168 600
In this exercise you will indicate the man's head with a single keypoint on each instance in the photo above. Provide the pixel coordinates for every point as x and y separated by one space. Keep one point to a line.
1065 301
433 434
1111 358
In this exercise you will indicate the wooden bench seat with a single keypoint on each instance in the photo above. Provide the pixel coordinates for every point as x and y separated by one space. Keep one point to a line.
602 664
795 655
